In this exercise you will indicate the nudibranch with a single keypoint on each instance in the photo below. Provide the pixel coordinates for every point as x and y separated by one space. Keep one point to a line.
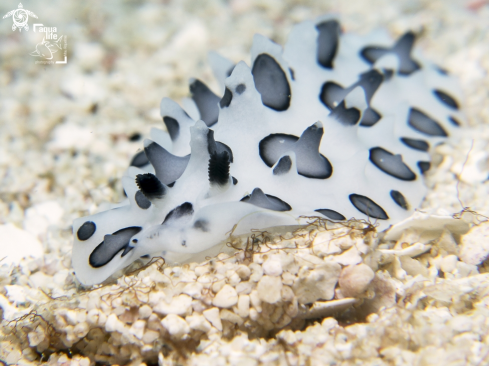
332 125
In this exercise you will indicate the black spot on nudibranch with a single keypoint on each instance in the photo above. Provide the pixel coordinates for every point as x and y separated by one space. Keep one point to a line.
346 116
310 163
283 166
172 126
391 164
292 74
271 82
273 146
332 94
370 117
331 214
370 81
235 181
150 187
446 99
402 49
136 136
206 102
168 167
112 245
141 200
86 231
454 121
425 124
327 41
185 209
415 144
219 168
201 225
368 207
240 88
260 199
424 166
399 199
139 160
226 99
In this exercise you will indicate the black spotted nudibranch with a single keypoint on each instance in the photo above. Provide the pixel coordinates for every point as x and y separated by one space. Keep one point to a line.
333 125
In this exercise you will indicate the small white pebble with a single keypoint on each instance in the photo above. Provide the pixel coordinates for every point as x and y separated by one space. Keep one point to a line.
449 263
272 266
269 289
226 297
145 311
243 306
113 324
212 315
175 325
150 336
198 322
243 272
137 329
81 329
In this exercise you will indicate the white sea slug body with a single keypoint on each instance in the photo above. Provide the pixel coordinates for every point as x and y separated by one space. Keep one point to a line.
332 125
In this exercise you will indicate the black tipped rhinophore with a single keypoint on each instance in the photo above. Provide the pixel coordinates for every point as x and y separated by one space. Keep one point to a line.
424 166
368 207
216 147
420 145
219 168
399 199
283 166
391 164
331 214
168 167
139 160
185 209
206 102
346 116
226 99
328 39
446 99
142 201
271 82
260 199
310 163
370 117
150 186
86 231
425 124
402 49
112 244
172 126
